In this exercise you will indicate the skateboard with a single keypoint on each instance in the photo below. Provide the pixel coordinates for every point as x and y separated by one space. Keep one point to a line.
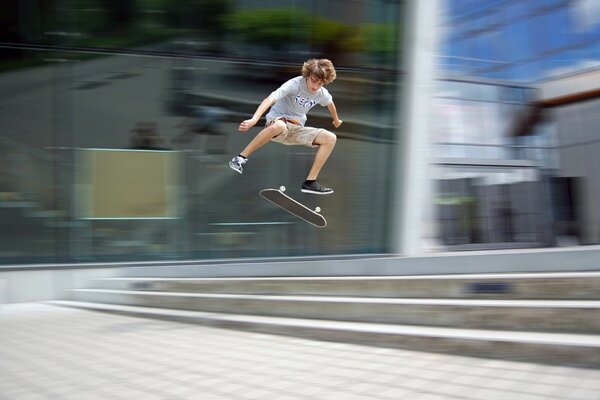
280 199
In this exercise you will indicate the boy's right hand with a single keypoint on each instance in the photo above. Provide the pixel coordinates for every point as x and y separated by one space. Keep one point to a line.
247 124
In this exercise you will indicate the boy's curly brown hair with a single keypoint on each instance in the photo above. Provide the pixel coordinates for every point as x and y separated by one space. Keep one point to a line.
322 69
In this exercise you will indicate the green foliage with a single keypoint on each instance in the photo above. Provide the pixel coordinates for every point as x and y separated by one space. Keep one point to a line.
275 27
326 31
272 27
380 39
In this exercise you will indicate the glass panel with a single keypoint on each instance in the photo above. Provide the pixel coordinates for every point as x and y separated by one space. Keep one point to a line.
176 78
519 37
32 202
489 93
488 208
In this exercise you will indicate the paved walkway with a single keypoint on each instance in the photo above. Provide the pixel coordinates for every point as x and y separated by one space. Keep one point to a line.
48 352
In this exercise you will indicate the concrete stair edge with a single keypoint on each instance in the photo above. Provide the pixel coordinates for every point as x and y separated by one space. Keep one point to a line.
509 315
520 275
553 348
518 286
559 261
537 303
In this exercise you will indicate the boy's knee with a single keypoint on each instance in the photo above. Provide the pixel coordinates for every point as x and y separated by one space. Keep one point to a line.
325 138
330 137
276 128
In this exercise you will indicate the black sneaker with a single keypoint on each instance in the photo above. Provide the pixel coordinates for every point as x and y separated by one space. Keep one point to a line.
315 188
237 163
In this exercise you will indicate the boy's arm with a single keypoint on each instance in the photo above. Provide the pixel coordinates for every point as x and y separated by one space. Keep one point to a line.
262 108
333 111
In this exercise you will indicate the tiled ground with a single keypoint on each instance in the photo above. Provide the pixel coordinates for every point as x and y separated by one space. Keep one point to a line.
49 352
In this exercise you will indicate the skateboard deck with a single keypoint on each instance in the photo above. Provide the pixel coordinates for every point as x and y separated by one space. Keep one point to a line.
280 199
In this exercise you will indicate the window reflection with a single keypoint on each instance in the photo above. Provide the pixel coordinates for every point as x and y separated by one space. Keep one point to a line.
518 35
178 77
488 190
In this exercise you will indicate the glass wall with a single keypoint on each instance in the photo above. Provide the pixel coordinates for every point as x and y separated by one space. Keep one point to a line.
488 184
476 119
505 176
521 40
489 207
118 120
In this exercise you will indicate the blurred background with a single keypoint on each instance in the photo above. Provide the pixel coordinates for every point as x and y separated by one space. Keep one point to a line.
118 118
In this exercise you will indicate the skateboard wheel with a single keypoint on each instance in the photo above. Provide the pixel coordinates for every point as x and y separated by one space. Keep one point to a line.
282 188
317 209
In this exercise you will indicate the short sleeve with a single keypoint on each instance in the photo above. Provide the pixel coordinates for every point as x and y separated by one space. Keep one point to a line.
327 99
289 87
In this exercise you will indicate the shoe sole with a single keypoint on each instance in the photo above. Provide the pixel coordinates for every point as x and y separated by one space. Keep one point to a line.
235 169
313 192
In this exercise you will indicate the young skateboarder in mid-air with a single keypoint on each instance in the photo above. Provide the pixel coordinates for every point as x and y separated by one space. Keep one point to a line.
285 120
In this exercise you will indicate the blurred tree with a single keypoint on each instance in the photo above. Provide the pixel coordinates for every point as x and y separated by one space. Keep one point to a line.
210 15
272 27
205 15
379 39
121 14
333 39
278 27
25 21
9 21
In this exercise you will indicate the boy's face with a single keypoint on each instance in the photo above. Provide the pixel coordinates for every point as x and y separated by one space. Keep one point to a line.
314 84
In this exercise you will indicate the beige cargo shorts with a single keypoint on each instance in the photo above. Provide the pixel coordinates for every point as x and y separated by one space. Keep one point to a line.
295 134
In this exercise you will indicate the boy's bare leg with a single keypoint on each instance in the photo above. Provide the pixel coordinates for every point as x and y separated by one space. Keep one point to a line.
326 141
263 137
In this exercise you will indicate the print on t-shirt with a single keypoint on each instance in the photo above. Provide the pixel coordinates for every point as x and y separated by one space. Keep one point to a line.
304 101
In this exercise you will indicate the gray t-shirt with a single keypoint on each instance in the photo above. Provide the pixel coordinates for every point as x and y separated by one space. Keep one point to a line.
293 100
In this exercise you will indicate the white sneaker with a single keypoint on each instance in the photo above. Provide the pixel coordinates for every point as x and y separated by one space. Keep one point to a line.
237 163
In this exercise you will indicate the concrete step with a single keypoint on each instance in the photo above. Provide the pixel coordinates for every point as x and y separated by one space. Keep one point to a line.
568 286
552 348
574 316
583 258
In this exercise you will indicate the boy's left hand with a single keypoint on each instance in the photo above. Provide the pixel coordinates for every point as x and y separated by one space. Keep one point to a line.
337 123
